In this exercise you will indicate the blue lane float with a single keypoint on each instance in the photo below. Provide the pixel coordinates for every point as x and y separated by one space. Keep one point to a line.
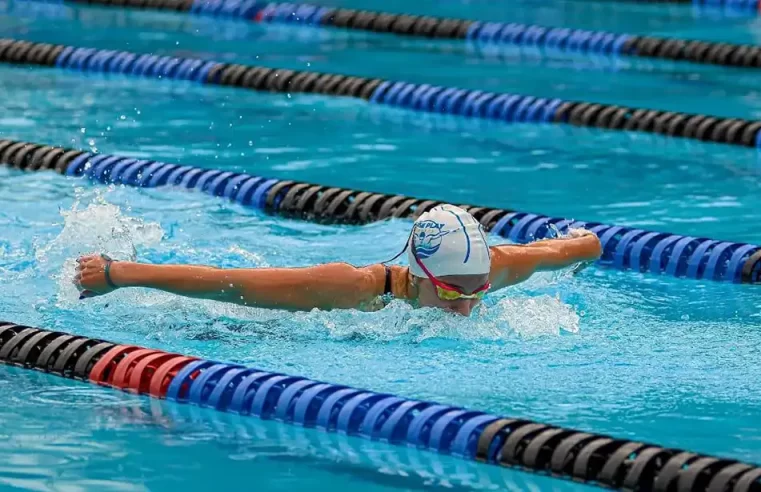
562 39
624 248
472 435
508 108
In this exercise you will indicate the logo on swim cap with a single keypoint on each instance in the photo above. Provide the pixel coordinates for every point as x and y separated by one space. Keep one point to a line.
428 235
465 250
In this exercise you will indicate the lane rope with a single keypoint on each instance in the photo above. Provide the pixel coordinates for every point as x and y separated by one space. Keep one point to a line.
201 25
587 457
514 108
624 248
578 41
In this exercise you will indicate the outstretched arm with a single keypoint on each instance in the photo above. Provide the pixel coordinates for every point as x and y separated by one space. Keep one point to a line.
512 264
329 286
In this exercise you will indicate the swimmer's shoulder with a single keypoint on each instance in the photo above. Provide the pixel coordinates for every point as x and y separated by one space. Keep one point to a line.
393 279
396 284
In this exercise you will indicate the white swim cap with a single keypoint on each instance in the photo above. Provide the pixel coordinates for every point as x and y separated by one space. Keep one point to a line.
449 241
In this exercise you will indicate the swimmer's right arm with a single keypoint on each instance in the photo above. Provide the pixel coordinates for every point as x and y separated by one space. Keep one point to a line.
328 286
512 264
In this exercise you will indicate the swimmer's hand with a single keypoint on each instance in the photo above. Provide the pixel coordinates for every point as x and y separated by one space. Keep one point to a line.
512 264
579 232
91 277
574 233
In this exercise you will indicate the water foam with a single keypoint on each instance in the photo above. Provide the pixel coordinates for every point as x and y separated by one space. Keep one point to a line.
509 318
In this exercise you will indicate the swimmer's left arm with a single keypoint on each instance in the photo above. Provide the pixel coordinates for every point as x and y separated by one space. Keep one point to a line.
327 286
512 264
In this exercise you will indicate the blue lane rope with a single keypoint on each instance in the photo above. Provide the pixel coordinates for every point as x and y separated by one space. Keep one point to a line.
575 41
697 258
511 108
624 248
471 435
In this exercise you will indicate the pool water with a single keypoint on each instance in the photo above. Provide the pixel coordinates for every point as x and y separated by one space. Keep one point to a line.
637 356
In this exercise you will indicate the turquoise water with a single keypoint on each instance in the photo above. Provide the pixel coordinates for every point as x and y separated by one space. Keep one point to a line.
643 357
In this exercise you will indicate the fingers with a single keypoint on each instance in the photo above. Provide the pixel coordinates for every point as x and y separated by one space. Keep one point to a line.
79 270
87 267
578 232
87 261
77 280
87 293
87 258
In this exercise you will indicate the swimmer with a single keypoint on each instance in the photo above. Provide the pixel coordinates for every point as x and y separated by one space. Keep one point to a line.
451 266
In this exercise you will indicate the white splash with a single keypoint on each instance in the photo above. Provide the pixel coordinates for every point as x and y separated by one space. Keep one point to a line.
508 319
524 317
540 315
100 227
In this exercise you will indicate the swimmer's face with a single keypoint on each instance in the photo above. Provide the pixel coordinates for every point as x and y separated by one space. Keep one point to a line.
427 296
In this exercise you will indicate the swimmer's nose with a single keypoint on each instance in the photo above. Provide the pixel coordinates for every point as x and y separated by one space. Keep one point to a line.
460 307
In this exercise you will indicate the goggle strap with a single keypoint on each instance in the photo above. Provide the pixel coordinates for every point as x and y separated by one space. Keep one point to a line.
406 245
